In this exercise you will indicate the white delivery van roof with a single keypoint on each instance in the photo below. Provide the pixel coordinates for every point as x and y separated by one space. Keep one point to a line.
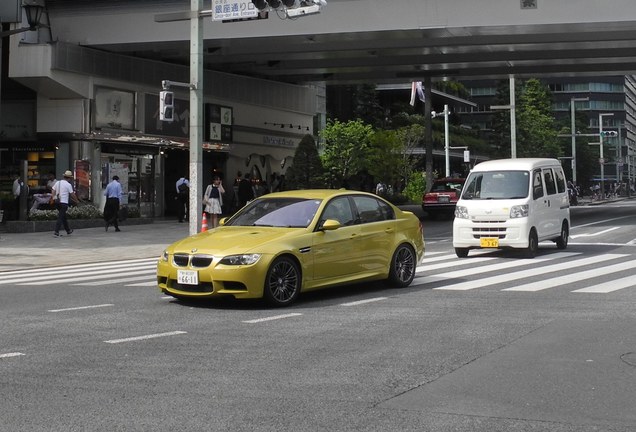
517 164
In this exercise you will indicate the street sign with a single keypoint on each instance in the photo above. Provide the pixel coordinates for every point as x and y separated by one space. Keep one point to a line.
223 10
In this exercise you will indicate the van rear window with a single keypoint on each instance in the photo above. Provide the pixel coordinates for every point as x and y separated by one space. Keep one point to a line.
495 185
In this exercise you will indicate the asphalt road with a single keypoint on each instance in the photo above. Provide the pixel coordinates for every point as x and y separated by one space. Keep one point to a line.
488 343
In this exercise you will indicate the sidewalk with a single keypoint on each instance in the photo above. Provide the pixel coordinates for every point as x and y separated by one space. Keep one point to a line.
31 250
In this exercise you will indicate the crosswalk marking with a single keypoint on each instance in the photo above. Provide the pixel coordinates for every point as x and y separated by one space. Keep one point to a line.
610 286
576 277
504 265
493 280
50 275
120 280
106 274
445 270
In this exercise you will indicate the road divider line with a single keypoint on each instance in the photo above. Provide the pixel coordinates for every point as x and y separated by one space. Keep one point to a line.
150 336
359 302
81 307
13 354
272 318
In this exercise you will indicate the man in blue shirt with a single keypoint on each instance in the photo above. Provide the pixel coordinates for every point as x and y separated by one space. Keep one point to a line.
111 209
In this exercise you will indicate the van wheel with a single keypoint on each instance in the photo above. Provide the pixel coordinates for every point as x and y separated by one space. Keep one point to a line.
461 252
562 241
533 245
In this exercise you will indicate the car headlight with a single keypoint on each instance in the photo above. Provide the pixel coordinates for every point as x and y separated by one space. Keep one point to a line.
461 212
244 259
165 256
519 211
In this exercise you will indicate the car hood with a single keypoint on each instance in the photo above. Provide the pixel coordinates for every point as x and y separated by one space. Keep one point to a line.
228 240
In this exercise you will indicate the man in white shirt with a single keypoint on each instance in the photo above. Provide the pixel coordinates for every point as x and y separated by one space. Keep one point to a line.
64 191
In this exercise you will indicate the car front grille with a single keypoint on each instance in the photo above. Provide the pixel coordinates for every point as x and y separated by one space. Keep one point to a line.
196 261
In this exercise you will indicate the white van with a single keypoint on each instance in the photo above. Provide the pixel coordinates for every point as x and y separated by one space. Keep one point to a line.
512 203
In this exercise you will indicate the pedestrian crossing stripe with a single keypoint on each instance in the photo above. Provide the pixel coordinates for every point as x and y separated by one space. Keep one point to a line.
433 270
522 274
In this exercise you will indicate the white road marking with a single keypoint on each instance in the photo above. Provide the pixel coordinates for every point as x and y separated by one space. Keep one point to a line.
112 281
594 234
600 222
275 317
144 284
81 308
359 302
492 280
576 277
614 285
96 275
13 354
150 336
85 267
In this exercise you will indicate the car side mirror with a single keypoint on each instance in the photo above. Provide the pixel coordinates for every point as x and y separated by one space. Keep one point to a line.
330 225
222 221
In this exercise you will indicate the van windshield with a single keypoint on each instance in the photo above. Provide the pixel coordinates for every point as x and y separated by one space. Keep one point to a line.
497 185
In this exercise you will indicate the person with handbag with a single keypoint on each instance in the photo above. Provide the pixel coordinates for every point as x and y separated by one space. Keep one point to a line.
213 200
64 191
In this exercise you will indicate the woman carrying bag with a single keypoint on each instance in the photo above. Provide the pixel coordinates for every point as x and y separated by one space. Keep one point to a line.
213 200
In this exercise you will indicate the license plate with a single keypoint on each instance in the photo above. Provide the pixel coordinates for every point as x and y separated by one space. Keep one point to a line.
443 199
188 277
489 242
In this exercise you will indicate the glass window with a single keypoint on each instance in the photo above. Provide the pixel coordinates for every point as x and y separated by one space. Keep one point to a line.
277 212
497 185
550 184
560 180
372 210
339 209
537 184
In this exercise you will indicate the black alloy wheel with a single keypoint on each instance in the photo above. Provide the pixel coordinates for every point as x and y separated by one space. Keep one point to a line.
282 282
402 271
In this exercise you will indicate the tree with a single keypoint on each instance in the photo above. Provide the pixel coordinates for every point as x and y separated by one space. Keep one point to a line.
385 156
345 150
306 171
536 127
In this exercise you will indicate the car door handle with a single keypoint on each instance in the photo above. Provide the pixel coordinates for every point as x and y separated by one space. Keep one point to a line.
388 230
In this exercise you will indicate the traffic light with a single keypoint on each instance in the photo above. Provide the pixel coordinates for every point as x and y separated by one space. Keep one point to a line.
166 106
606 134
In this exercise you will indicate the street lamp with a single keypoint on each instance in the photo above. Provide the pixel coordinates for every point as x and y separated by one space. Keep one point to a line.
602 161
33 10
446 137
573 131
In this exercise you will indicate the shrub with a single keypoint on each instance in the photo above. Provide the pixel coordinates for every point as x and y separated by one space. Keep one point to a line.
84 211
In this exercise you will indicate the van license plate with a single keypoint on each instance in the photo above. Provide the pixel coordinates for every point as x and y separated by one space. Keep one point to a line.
489 242
188 277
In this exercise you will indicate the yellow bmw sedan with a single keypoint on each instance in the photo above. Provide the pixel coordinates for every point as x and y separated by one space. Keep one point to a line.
285 243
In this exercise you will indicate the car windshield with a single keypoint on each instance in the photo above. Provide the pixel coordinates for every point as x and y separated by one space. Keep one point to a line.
497 185
277 212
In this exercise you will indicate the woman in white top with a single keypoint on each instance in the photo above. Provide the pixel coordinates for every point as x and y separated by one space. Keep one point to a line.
213 200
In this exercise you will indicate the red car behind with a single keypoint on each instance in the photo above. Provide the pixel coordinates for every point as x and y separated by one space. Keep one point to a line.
442 198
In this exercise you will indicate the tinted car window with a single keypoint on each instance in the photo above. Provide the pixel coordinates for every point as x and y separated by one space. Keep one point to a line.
340 210
278 212
550 184
372 210
561 187
537 184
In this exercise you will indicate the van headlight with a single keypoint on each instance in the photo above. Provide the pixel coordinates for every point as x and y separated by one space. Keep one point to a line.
461 212
519 211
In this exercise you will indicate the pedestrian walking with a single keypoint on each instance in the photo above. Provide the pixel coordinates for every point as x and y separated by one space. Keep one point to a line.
183 197
63 189
111 209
